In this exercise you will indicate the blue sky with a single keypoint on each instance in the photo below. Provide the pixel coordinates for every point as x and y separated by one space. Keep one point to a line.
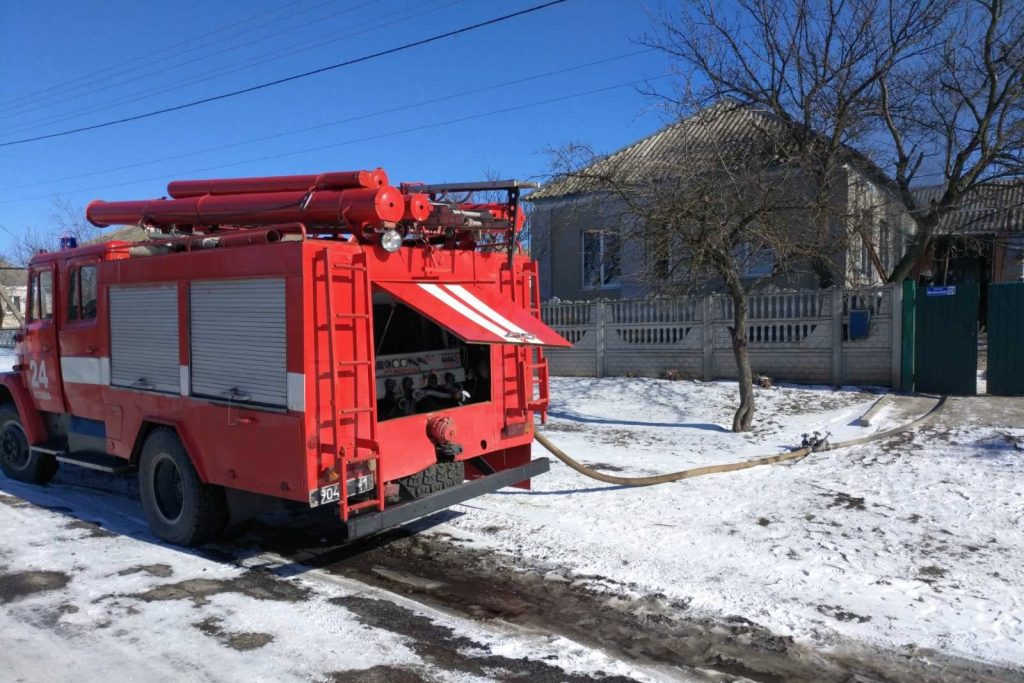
69 64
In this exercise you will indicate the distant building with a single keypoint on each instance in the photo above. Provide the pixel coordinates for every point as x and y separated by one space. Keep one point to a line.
981 241
12 280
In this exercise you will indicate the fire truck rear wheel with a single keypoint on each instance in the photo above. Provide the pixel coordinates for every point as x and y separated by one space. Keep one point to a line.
179 507
443 475
16 458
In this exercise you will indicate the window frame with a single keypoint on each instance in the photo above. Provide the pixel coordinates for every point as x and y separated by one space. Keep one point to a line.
749 255
74 285
32 296
615 282
866 265
885 244
34 311
73 292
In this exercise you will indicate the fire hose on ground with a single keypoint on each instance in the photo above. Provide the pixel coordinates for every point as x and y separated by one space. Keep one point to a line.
796 454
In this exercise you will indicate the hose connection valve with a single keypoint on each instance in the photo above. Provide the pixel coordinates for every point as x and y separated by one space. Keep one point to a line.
441 431
816 441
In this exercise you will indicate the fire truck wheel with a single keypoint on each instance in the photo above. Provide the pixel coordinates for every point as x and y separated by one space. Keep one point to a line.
179 507
435 478
16 458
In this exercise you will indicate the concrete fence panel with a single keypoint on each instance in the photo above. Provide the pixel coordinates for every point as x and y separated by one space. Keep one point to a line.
799 337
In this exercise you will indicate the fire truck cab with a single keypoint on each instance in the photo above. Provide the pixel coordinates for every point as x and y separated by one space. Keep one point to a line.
343 343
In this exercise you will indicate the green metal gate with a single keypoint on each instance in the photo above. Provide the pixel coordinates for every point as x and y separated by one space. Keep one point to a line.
946 340
1006 339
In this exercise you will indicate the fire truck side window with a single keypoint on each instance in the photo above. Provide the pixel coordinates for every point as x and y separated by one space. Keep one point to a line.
46 295
82 293
88 287
73 294
33 297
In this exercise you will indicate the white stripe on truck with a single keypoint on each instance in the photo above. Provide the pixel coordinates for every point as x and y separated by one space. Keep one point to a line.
467 296
84 369
466 312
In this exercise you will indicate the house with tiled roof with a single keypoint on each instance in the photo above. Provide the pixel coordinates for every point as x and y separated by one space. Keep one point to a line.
574 233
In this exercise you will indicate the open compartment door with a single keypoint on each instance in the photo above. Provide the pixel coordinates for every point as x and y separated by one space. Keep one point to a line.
473 314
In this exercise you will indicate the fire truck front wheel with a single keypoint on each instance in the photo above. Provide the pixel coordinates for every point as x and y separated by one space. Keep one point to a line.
16 458
179 507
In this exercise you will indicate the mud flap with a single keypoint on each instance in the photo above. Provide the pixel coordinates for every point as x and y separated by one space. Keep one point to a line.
500 461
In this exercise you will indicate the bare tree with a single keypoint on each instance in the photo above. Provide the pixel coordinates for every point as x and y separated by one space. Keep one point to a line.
931 91
724 210
65 219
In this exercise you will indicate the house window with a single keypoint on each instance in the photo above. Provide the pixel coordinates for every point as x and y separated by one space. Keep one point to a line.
661 265
658 255
865 258
755 262
82 293
601 259
885 244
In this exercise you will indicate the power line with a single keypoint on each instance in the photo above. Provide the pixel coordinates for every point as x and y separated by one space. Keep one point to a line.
337 122
403 131
287 79
62 96
116 67
107 84
286 51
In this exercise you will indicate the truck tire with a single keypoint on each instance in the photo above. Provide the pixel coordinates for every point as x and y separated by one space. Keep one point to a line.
443 475
179 507
16 458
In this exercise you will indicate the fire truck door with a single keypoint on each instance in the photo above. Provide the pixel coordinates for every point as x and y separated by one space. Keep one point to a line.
82 366
41 368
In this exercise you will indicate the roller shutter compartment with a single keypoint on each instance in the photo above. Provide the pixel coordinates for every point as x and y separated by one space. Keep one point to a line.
144 338
238 341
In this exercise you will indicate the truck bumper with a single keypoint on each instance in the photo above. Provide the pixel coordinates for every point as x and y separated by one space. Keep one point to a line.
372 522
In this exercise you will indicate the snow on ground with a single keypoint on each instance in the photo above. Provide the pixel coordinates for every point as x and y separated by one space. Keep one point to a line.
914 542
911 542
105 607
106 601
85 601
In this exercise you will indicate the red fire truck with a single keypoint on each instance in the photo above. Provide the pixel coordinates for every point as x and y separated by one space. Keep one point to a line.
323 339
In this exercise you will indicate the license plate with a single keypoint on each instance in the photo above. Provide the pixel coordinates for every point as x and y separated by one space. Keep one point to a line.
332 493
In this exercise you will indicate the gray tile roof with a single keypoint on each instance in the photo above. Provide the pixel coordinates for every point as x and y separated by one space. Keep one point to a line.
654 155
747 129
988 209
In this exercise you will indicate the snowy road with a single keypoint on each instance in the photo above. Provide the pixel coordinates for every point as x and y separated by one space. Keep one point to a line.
87 594
899 561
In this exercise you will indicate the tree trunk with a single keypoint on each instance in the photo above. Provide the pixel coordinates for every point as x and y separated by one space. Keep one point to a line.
744 417
917 249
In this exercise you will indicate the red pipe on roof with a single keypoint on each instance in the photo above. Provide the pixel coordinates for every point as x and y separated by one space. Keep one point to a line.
335 180
417 207
356 208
